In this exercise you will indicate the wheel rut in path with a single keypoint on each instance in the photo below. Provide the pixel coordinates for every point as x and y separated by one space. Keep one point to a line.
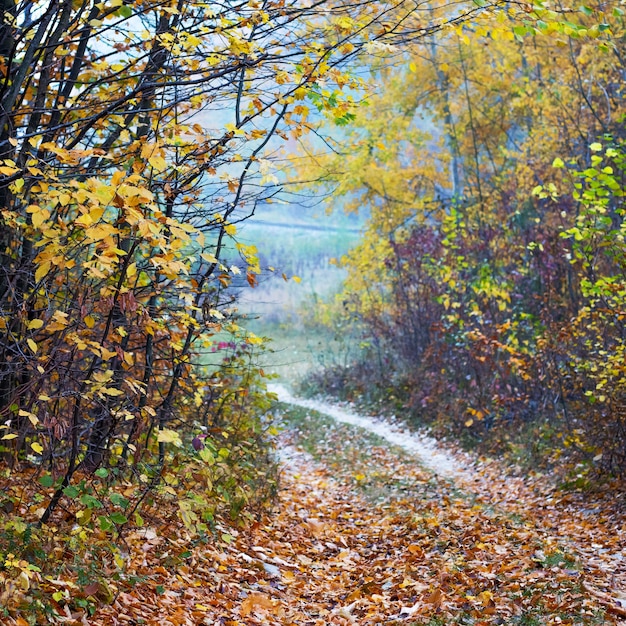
591 526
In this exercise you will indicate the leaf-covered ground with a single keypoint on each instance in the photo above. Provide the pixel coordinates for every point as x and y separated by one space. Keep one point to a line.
363 535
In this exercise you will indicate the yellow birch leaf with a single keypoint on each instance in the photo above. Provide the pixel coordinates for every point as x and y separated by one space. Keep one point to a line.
169 436
147 150
39 217
158 163
117 178
107 354
89 321
10 436
84 220
32 418
42 271
35 324
32 345
37 447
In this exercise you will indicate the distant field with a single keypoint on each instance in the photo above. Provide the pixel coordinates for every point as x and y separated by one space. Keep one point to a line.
301 249
305 249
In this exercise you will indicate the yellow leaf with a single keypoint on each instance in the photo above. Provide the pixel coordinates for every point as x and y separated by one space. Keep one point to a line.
230 229
117 178
84 220
147 150
413 67
558 163
10 436
39 217
37 447
254 340
158 163
89 321
209 258
42 271
169 436
35 324
34 420
32 345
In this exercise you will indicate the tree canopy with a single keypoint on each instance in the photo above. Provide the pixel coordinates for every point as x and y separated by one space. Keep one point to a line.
489 284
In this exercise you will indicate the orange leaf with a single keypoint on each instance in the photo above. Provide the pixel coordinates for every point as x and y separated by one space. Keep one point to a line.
256 602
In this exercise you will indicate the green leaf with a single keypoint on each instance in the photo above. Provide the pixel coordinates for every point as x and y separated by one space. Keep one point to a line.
71 492
90 501
46 480
118 518
105 523
101 472
119 500
520 31
595 147
558 163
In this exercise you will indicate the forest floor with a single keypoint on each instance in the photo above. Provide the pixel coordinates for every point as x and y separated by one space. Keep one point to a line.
363 533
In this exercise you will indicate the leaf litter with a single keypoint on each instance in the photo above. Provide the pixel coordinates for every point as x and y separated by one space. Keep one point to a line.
592 523
362 534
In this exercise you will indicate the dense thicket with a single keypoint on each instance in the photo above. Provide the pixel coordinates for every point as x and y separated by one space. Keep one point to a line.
134 136
490 285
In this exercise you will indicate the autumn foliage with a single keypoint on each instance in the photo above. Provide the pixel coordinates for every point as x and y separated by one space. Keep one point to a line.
489 287
134 137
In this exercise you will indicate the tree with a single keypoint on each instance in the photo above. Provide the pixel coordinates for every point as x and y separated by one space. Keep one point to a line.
133 138
491 326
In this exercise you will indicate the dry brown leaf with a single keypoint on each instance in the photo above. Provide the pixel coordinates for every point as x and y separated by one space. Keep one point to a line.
258 602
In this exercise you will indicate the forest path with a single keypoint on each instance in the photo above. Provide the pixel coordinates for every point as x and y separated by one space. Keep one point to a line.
586 528
363 534
425 448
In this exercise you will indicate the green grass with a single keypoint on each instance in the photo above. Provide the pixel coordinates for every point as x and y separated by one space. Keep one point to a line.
295 350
